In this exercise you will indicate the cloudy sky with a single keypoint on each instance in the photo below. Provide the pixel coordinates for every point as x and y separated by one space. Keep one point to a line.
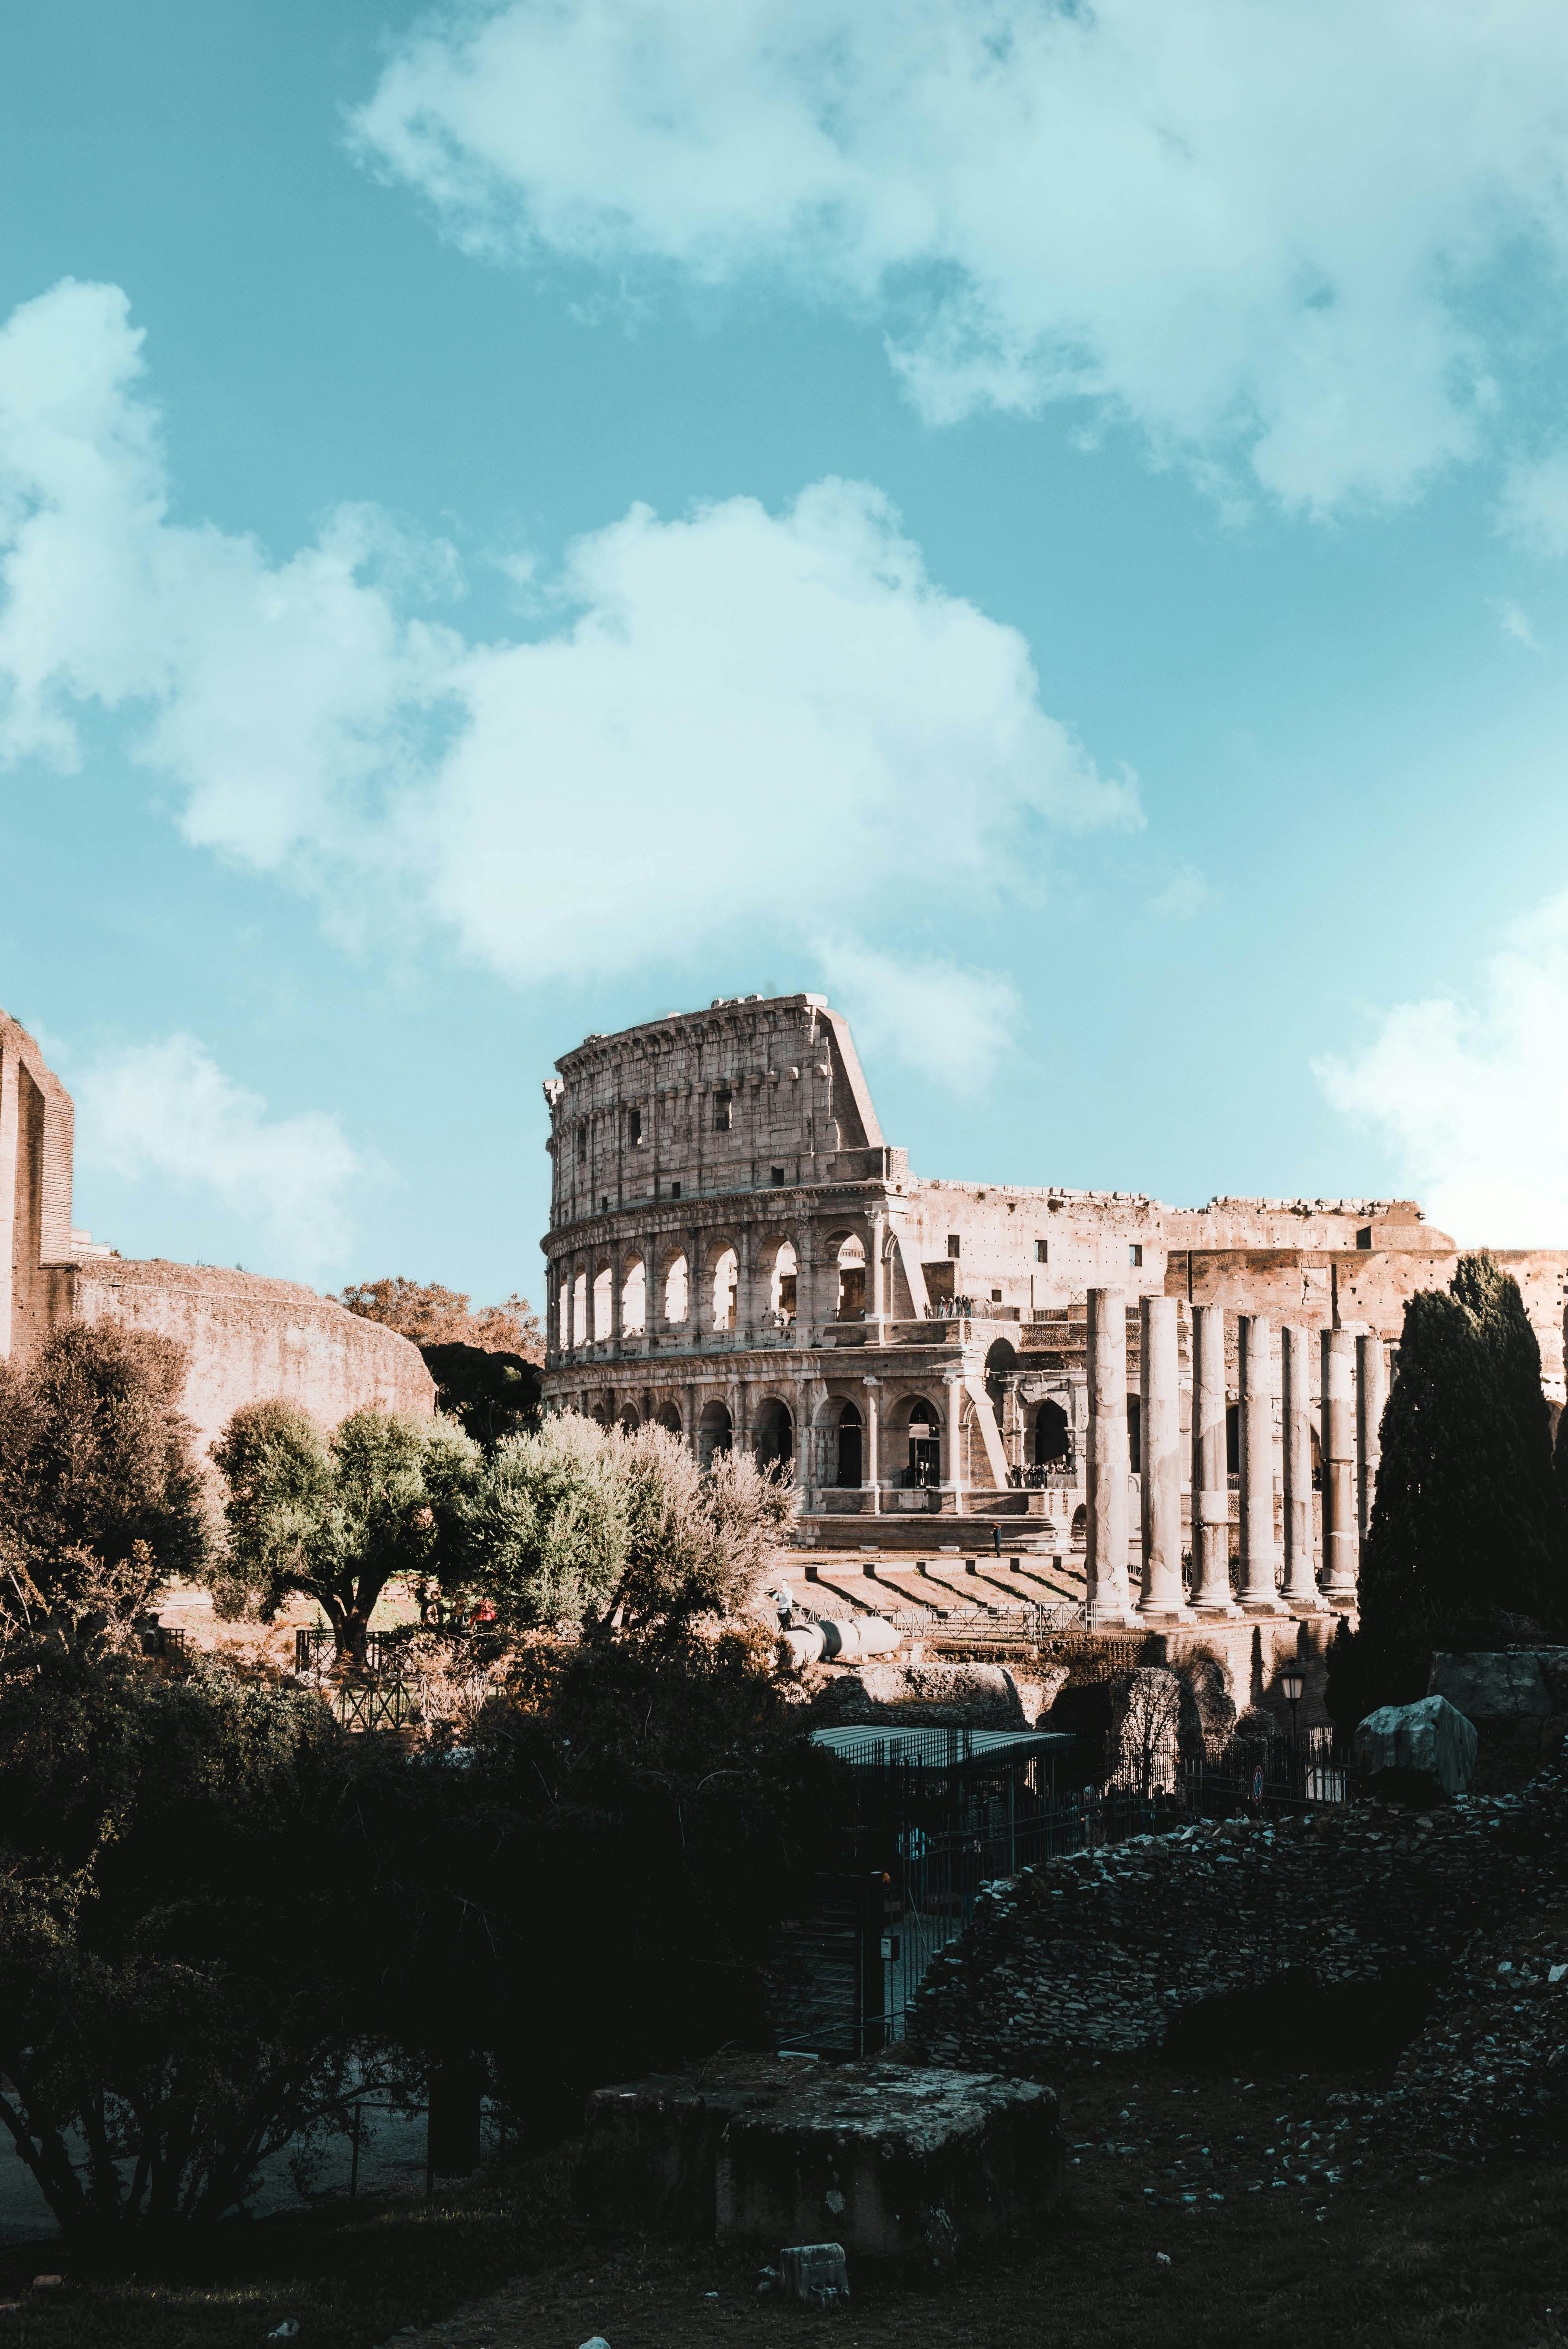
1048 523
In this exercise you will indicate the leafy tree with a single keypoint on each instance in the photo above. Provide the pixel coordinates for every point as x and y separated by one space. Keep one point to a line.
1467 1529
585 1528
96 1475
433 1316
338 1517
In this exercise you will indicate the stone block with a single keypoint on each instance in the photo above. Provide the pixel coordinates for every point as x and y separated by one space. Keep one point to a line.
914 2167
1420 1751
815 2275
649 2151
1503 1686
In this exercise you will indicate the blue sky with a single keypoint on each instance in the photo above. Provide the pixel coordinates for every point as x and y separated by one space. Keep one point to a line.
1046 524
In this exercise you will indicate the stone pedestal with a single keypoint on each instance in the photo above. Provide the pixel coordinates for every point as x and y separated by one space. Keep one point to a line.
1211 1489
1159 1480
1109 1466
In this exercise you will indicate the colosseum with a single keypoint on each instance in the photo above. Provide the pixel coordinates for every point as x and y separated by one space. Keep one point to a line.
247 1338
1171 1414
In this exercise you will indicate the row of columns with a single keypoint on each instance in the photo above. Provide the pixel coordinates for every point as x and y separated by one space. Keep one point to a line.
1352 1387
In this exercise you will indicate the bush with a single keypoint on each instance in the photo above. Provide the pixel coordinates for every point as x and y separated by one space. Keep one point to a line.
96 1489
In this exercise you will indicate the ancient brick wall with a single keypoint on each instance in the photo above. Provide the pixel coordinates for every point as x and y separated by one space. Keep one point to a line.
248 1339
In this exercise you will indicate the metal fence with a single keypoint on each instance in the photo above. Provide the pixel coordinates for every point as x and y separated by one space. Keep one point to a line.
849 1973
316 1645
375 1704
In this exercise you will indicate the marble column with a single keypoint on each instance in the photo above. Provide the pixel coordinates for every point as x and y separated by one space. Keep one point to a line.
876 1268
871 1443
1109 1467
617 1262
1300 1592
653 1296
1371 1394
1339 1540
1160 1481
1259 1595
953 1440
1211 1487
747 1315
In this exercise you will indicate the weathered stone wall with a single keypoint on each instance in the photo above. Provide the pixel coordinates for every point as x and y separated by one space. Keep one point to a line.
1101 1949
249 1340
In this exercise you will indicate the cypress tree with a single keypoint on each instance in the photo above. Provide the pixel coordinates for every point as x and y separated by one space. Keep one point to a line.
1528 1525
1467 1529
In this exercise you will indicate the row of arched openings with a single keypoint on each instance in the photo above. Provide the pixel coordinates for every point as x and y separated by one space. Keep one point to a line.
585 1306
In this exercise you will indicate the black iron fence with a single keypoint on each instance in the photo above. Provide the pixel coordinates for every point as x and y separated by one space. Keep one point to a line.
375 1704
936 1834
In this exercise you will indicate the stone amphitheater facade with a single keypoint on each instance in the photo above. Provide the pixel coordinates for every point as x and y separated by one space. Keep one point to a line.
1109 1389
248 1339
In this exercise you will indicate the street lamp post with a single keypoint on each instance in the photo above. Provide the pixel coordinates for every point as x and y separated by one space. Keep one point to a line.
1292 1681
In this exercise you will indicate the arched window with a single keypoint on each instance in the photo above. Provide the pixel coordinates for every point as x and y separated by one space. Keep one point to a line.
669 1419
726 1288
1001 1363
850 1446
634 1300
676 1287
714 1433
1080 1533
852 1299
782 1288
1053 1437
773 1434
925 1444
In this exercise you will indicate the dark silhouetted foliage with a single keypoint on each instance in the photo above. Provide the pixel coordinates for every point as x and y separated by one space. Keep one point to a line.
1467 1539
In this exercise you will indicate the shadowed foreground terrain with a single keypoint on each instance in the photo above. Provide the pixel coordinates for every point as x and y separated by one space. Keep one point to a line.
1223 2176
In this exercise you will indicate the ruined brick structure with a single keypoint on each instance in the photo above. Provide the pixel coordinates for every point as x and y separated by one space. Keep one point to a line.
736 1252
248 1339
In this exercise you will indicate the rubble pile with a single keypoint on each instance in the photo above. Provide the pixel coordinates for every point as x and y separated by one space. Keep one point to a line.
1104 1949
1490 2072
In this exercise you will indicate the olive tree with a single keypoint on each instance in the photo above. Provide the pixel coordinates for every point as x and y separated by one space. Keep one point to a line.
338 1517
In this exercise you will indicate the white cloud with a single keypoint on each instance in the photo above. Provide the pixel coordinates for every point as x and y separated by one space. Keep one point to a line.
1471 1097
949 1022
1185 895
1249 229
734 724
168 1110
1513 622
1534 508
